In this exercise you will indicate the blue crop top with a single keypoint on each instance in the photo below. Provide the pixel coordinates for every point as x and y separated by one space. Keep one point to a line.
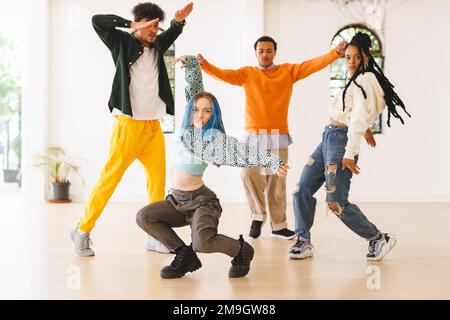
193 154
187 162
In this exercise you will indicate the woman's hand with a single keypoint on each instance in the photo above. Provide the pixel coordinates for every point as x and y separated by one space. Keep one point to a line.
182 59
283 170
198 123
370 138
351 165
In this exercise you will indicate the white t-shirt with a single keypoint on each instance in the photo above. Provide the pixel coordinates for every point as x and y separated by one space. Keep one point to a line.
144 88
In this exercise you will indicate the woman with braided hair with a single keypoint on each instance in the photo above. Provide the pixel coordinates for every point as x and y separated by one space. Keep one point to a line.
334 162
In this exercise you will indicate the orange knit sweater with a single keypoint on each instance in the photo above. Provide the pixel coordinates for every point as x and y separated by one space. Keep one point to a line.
268 92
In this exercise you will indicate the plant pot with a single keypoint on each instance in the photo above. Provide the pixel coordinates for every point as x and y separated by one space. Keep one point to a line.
10 176
60 192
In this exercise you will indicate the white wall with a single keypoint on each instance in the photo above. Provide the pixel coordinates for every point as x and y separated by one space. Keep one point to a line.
35 100
410 162
82 72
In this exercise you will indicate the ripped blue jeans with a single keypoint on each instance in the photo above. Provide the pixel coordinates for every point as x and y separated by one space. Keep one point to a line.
325 167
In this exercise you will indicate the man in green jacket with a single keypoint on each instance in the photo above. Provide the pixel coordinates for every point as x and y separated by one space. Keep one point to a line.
140 96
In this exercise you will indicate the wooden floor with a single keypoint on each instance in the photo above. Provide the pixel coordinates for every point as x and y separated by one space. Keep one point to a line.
38 260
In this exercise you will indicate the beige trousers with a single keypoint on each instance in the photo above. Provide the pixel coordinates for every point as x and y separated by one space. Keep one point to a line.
259 184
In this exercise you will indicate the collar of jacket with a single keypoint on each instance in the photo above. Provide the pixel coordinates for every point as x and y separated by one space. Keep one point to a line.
137 49
140 45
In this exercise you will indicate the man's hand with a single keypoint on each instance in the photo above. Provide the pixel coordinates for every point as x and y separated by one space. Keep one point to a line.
370 138
340 48
283 170
180 15
142 25
351 165
200 59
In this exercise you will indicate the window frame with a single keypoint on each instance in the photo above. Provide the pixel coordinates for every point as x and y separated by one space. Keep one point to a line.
377 54
168 121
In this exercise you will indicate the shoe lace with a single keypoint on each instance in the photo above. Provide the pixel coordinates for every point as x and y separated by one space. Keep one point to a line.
372 244
177 261
240 258
87 242
300 243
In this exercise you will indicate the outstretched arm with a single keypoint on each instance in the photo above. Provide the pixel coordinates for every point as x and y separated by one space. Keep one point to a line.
235 77
306 68
168 37
226 150
192 75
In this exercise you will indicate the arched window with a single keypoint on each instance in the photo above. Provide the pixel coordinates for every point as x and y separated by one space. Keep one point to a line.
338 74
168 121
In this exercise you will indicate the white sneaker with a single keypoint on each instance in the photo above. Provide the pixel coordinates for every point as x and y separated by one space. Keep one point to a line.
302 249
82 243
155 245
380 247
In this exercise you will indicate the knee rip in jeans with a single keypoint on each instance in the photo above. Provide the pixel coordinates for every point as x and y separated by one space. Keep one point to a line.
331 168
335 208
310 161
330 189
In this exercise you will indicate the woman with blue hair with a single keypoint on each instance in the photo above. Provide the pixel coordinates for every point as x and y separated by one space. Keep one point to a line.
202 140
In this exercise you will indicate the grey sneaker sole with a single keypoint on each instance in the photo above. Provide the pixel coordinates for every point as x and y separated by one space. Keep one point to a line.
80 253
385 250
277 236
300 256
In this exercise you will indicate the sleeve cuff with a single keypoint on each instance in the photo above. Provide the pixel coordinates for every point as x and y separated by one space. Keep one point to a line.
335 54
205 66
179 24
349 155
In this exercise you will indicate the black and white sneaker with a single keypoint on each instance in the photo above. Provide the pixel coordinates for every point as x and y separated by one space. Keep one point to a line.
380 247
302 249
283 234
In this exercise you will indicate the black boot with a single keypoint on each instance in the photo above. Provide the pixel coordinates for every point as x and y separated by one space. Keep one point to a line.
240 265
185 260
255 229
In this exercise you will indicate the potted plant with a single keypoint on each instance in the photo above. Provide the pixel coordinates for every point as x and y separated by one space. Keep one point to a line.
59 167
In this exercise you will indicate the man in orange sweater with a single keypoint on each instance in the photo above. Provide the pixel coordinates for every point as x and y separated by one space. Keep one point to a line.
268 90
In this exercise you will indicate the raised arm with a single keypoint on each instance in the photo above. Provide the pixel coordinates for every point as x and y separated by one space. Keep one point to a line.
169 36
227 150
105 25
236 77
306 68
193 77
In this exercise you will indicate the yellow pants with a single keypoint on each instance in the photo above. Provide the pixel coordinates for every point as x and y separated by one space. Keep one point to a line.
130 139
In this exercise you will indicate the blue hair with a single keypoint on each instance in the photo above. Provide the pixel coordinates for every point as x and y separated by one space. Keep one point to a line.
215 123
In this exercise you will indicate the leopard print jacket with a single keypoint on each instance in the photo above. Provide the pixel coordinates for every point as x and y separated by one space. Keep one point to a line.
218 148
